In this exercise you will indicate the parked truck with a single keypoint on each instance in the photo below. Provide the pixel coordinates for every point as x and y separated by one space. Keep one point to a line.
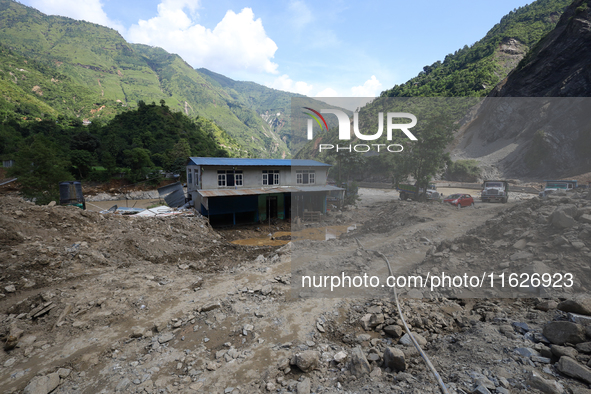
410 191
495 190
553 186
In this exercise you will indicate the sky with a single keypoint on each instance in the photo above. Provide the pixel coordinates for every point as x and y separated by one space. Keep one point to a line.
321 48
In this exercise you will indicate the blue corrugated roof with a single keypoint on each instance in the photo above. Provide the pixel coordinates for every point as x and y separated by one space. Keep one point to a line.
227 161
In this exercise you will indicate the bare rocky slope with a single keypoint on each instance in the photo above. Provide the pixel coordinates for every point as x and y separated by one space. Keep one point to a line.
514 135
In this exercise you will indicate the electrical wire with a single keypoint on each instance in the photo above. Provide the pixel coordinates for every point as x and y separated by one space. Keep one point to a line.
412 338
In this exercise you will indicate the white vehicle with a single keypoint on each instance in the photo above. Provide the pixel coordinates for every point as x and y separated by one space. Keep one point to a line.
553 186
495 191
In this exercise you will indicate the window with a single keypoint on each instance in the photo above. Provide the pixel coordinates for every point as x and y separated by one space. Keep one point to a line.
230 178
270 177
221 178
305 177
190 177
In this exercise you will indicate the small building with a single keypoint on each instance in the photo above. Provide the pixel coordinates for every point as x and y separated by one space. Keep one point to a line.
231 191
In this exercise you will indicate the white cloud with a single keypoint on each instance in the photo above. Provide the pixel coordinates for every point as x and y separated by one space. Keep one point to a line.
287 84
371 88
238 42
87 10
328 92
300 14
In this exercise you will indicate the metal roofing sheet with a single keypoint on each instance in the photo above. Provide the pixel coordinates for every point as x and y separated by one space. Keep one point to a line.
173 194
269 190
228 161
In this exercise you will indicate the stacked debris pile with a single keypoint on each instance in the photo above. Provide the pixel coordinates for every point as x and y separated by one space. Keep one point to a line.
549 236
41 244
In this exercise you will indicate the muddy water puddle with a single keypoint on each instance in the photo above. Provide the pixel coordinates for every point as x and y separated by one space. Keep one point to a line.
280 238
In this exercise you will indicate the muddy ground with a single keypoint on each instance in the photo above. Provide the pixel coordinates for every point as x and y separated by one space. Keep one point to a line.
99 304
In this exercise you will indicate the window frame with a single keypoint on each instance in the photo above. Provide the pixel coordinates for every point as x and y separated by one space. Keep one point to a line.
222 178
271 177
305 177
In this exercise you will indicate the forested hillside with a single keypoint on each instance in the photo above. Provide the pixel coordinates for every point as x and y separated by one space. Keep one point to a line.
52 66
137 143
475 70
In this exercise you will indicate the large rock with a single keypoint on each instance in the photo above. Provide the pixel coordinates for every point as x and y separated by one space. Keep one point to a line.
581 304
371 320
570 367
406 340
585 218
43 384
307 360
560 351
584 347
560 219
359 365
304 387
561 332
394 359
393 330
545 386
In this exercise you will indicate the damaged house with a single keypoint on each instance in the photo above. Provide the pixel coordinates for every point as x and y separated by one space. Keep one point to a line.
231 191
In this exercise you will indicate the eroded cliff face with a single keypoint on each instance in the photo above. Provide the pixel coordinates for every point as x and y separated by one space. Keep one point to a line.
558 66
550 136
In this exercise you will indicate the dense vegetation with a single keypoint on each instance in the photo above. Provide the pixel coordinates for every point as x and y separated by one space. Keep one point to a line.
138 143
463 171
52 66
474 70
273 105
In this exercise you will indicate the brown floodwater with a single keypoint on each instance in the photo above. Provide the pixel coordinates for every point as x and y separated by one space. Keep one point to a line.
283 237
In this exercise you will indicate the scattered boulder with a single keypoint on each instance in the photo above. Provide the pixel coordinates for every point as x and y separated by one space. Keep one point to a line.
405 340
560 219
546 305
394 359
167 337
340 356
307 360
545 386
359 365
137 332
570 367
584 347
304 386
43 384
561 332
393 331
560 351
581 305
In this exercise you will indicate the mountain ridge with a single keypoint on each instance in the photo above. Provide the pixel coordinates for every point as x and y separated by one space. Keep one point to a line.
112 75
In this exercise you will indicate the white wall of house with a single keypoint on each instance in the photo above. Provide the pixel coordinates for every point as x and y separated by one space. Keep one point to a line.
206 177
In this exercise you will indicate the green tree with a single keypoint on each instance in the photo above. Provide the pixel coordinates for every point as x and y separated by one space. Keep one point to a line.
138 160
177 156
40 167
83 161
426 157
